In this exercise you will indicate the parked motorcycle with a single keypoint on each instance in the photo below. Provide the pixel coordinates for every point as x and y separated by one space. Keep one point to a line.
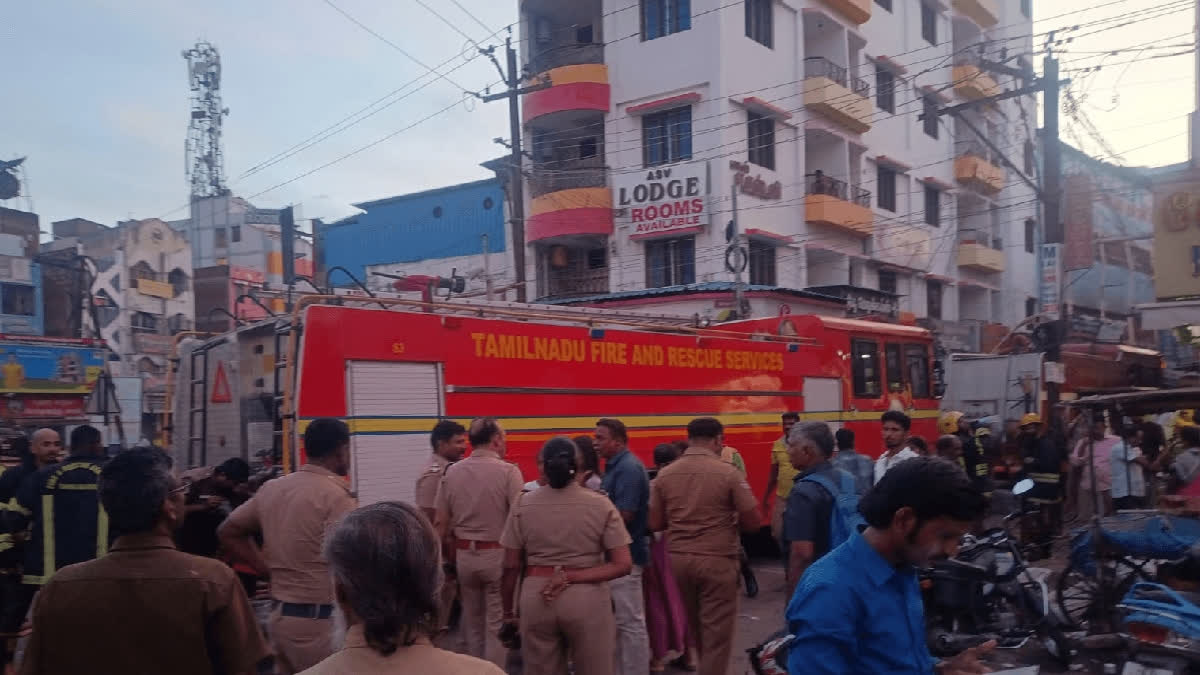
1161 621
987 592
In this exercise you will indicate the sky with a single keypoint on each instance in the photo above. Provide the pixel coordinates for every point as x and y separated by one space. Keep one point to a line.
100 100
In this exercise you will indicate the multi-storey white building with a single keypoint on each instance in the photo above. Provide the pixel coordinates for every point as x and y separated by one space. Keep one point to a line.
657 109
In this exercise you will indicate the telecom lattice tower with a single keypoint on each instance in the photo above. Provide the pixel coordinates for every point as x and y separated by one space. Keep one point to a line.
205 158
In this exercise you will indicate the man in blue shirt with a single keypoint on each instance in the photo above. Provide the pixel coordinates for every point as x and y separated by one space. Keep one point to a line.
849 460
858 609
628 487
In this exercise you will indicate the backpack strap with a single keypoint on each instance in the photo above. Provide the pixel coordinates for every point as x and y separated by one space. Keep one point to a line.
824 482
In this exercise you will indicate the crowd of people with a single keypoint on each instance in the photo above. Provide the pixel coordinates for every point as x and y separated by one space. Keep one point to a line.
598 566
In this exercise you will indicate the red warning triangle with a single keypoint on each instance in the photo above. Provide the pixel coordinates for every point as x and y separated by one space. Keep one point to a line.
220 390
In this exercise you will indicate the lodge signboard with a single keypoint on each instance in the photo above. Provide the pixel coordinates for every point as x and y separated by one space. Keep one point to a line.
663 199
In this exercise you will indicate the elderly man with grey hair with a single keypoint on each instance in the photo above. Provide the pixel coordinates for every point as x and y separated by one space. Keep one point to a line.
386 566
810 505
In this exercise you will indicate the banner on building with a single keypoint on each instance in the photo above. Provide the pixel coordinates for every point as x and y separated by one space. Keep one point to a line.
1177 239
665 199
1050 281
46 407
157 289
1078 223
38 369
152 343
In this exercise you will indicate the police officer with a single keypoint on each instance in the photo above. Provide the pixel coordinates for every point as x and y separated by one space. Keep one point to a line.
473 502
697 500
564 532
292 514
449 441
62 508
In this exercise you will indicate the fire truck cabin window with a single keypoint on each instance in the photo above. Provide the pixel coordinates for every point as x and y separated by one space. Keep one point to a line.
893 368
917 359
865 368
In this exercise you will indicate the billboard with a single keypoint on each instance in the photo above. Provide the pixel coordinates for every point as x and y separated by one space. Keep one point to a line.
1177 238
48 369
1078 223
1050 283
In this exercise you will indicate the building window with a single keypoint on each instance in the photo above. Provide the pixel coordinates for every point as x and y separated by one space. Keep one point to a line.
178 280
667 136
664 17
236 233
758 21
17 299
886 180
583 34
1030 306
1030 226
587 148
1027 8
933 298
929 121
762 263
142 270
929 23
597 258
670 262
886 4
178 323
885 89
220 237
1028 157
144 322
761 130
933 206
887 281
865 368
437 212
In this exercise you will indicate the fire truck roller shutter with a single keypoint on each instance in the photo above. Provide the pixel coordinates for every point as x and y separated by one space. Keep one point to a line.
822 394
385 466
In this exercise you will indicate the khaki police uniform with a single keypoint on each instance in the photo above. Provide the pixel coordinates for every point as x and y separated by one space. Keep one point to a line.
293 513
475 495
427 489
700 497
568 528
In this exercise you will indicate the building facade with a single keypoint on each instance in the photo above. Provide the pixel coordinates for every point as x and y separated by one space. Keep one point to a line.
800 123
459 229
22 310
231 231
140 277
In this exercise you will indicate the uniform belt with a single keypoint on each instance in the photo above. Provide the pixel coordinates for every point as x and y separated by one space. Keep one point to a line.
305 611
546 570
472 545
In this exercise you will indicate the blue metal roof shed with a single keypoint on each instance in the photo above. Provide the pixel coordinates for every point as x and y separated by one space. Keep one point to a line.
440 223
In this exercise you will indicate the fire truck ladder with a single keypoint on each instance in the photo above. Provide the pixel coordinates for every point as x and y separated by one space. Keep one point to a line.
198 392
283 331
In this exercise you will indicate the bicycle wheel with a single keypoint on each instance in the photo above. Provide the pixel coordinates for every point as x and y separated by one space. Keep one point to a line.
1083 604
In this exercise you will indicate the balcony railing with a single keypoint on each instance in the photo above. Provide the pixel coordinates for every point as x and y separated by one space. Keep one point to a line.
819 66
575 54
564 285
820 184
972 146
555 176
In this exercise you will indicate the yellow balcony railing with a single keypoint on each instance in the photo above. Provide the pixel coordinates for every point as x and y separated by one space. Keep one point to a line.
976 256
982 12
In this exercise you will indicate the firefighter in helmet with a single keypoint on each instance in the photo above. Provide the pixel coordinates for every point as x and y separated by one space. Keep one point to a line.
955 423
1043 459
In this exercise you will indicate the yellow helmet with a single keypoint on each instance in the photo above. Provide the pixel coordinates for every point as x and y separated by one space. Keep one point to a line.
1031 418
1185 418
948 422
983 431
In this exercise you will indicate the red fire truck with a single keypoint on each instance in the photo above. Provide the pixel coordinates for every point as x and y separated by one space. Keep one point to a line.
393 370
